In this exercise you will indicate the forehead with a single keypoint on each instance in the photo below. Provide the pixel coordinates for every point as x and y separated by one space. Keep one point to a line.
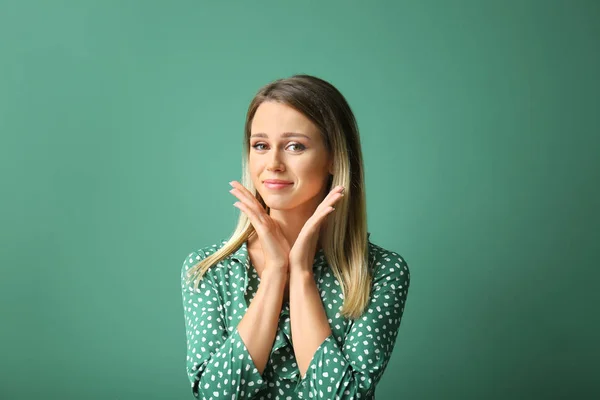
273 119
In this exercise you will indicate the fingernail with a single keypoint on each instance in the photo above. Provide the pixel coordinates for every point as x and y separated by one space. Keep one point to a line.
231 183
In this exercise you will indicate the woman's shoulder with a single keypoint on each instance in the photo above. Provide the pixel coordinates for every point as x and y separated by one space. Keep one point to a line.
387 264
200 253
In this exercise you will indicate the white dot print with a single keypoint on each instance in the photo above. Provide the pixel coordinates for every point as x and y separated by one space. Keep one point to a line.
347 364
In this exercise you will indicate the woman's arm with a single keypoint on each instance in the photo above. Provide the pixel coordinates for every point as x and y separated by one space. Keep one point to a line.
219 364
308 319
345 372
259 325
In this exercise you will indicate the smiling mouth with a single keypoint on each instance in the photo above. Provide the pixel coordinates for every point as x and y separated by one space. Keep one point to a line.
278 185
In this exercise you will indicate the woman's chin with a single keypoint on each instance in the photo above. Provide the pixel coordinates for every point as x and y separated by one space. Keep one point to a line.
280 205
277 206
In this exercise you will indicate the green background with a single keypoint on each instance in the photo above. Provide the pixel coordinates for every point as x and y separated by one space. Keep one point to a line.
121 125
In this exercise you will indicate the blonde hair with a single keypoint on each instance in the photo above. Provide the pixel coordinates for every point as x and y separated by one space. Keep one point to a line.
344 240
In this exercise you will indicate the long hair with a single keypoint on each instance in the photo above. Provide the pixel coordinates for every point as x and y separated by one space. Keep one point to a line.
344 233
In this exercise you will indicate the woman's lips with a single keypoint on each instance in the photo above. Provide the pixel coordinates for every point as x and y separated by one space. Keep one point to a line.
270 185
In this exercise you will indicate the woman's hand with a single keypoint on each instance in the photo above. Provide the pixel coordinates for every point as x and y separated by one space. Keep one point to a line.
303 251
273 243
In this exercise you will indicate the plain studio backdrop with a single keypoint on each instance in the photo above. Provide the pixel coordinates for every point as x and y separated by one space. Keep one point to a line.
121 125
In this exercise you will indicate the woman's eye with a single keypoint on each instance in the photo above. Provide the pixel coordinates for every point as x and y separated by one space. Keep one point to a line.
299 146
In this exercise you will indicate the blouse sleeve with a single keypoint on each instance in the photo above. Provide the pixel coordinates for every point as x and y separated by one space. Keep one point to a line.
352 369
218 364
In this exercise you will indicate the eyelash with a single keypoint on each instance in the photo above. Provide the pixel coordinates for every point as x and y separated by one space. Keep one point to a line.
299 145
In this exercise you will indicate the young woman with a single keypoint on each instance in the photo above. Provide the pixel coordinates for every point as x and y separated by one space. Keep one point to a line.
298 302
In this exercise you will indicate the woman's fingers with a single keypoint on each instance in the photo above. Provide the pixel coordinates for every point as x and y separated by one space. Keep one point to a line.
256 213
241 189
251 207
329 200
247 198
325 208
272 242
249 212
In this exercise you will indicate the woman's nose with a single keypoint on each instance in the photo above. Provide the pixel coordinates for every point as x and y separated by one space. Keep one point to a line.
274 162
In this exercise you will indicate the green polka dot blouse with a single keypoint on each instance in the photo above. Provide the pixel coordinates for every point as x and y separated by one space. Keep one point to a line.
347 365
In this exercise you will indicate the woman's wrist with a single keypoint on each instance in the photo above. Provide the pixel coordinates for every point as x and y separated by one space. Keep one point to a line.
277 277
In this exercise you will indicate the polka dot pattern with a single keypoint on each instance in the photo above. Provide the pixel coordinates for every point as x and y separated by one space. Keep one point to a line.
347 365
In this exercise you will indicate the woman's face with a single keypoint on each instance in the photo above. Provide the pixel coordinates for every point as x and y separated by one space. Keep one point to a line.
286 145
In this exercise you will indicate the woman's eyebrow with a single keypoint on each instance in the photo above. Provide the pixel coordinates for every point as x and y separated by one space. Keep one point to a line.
284 135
